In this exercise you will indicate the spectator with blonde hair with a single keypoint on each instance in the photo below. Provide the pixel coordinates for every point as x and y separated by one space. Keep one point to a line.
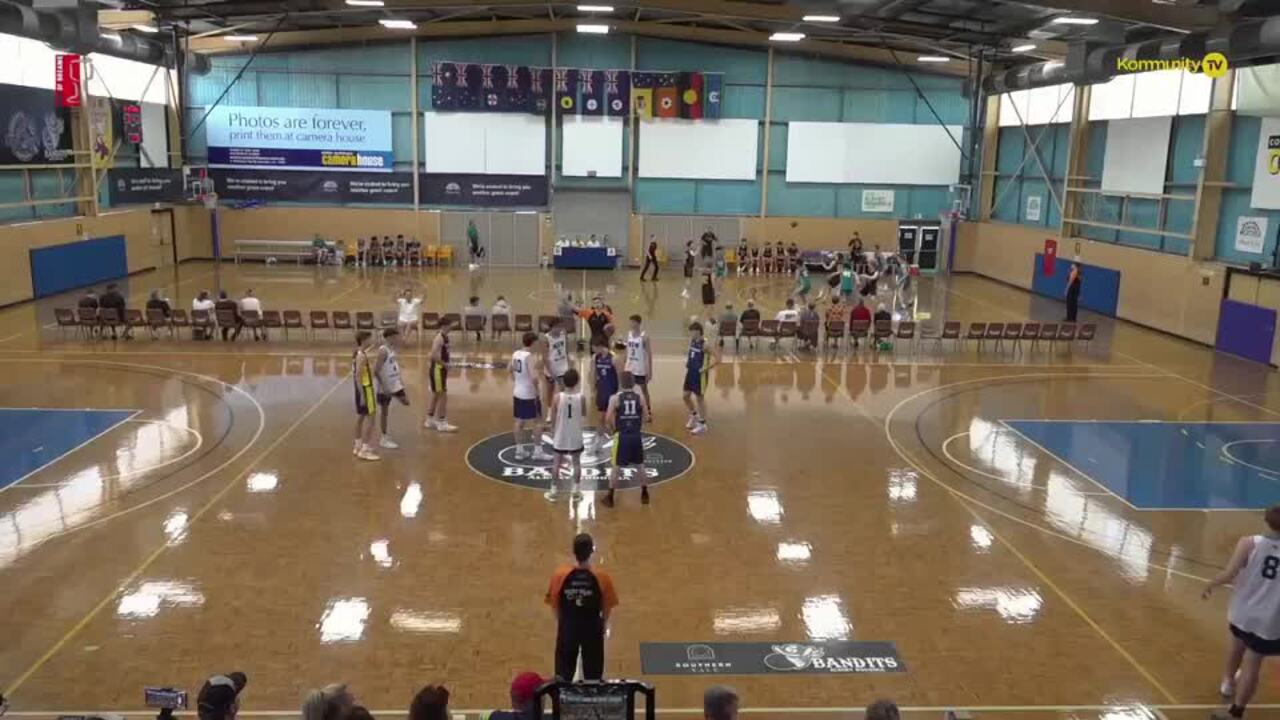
332 702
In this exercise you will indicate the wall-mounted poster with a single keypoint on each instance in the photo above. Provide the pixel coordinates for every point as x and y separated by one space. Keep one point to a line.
34 130
1034 205
877 201
300 139
1266 173
1251 233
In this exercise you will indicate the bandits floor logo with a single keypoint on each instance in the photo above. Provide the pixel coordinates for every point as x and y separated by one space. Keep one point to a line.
495 457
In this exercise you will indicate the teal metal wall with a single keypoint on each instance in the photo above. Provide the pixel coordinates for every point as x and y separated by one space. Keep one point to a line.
1235 200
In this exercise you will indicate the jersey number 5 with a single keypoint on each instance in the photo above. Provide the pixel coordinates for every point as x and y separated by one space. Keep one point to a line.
1270 566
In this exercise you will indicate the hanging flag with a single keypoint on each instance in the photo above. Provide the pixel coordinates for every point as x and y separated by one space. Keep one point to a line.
667 96
642 84
467 87
691 95
713 88
539 86
493 88
567 90
444 84
591 85
617 93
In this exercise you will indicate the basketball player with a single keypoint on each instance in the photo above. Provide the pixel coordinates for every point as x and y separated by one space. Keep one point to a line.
605 379
708 295
527 409
624 417
766 261
438 382
386 369
362 377
555 361
566 438
1254 614
639 361
698 365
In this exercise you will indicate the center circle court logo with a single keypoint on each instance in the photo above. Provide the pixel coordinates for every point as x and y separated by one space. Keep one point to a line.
495 457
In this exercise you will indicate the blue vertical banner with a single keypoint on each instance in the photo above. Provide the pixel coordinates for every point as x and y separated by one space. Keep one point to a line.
712 92
300 138
591 84
567 90
617 93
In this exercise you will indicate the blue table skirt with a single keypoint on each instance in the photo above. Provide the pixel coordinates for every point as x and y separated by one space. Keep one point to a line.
585 258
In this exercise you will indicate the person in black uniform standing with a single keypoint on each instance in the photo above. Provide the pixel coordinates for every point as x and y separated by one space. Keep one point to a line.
650 259
582 598
1073 292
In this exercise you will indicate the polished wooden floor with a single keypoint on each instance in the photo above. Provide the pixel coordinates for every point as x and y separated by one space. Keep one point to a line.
228 527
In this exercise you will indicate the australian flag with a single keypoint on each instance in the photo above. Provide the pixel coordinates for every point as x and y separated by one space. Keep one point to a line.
540 90
444 86
591 83
617 93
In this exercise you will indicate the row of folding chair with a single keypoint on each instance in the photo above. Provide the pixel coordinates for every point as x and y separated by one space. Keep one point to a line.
1013 335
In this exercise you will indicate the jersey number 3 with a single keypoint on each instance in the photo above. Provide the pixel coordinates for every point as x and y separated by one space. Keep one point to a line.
1270 566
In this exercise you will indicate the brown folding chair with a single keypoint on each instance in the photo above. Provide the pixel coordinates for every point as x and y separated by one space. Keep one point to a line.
1030 332
788 329
1048 333
474 324
499 325
271 319
89 320
291 320
178 319
769 331
950 331
109 318
750 330
808 331
728 329
227 319
835 332
65 319
252 319
134 319
157 320
1067 334
977 331
907 331
388 319
859 330
1086 333
544 323
319 320
430 321
882 330
1012 333
995 331
453 319
365 321
524 324
202 320
341 321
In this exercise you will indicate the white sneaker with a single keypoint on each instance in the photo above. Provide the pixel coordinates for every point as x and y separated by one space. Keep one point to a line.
388 443
522 455
355 449
444 427
429 423
368 455
576 495
693 422
551 495
542 455
699 429
1227 689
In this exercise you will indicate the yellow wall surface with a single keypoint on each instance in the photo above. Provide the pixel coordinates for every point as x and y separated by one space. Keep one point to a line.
193 233
1168 292
337 223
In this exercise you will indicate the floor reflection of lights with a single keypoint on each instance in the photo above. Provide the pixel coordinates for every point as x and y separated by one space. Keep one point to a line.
794 553
825 618
764 507
263 482
746 620
411 501
380 551
1014 605
425 622
148 598
344 620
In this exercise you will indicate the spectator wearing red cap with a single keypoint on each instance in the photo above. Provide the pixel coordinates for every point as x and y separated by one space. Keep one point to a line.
523 689
219 697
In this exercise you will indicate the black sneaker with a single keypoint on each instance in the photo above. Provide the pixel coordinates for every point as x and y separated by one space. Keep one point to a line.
608 499
644 495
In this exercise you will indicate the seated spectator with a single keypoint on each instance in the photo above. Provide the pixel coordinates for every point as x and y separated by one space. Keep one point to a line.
113 300
809 316
332 702
201 302
251 304
407 313
226 304
359 712
728 313
720 703
219 698
750 314
89 301
882 314
860 313
838 310
431 703
789 313
156 302
500 307
883 710
473 309
523 689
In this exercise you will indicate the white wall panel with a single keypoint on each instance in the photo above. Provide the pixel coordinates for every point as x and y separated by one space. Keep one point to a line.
880 153
699 149
592 147
1112 100
1156 93
1137 155
485 143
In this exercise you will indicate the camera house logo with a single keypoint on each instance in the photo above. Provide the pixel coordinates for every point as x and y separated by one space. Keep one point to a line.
495 457
1213 65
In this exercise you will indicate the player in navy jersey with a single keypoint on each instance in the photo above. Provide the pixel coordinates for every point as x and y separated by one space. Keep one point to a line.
605 378
624 417
697 368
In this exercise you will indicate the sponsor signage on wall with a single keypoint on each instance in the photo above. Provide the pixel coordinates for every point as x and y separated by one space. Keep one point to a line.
316 187
484 190
1266 174
1251 233
759 658
68 85
35 130
879 201
131 186
300 139
1034 205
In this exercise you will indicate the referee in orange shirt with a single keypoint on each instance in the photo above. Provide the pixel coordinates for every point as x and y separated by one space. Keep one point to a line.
582 598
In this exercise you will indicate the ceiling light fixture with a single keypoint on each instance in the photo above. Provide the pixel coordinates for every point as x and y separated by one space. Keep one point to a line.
787 37
240 38
1072 20
595 8
822 18
366 3
150 29
933 59
1016 48
593 29
394 24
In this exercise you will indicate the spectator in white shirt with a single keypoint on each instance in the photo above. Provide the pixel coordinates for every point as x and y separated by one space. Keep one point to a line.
407 315
500 307
789 313
205 303
250 304
473 309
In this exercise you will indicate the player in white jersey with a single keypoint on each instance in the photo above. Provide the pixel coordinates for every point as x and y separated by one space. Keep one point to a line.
386 370
1254 613
567 433
640 361
555 361
526 407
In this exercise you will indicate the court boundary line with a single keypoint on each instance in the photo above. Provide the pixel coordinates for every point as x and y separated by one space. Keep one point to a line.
1073 468
946 443
191 432
167 544
95 436
1265 472
262 423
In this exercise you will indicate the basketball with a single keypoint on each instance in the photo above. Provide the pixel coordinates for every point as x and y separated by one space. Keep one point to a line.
608 330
